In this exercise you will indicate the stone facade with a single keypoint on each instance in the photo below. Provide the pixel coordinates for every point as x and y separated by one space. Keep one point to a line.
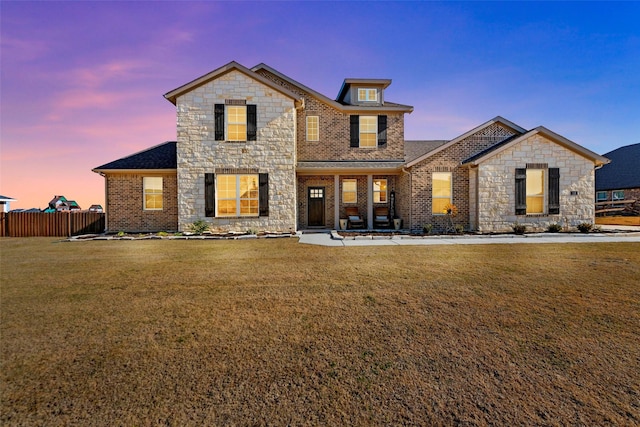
125 203
495 184
273 152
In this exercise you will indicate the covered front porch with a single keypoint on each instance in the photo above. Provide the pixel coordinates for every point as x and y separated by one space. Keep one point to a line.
351 195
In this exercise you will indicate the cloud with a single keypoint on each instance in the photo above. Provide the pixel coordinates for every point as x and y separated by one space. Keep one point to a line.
23 49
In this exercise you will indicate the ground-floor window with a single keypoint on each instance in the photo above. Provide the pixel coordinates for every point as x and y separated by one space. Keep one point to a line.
535 191
379 191
440 192
237 195
616 196
349 191
152 189
601 196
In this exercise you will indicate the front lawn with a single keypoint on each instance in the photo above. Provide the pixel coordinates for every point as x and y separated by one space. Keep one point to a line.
271 332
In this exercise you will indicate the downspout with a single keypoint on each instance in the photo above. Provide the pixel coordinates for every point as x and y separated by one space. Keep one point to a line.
106 192
404 170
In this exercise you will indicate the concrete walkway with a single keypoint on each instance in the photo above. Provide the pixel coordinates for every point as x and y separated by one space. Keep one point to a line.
334 239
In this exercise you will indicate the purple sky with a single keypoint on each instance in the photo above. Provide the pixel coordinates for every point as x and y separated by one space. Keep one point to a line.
82 82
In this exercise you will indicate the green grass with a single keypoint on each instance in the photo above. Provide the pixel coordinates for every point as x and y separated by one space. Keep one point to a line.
273 332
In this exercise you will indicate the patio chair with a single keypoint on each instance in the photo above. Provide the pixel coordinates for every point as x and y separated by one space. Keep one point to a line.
355 220
381 218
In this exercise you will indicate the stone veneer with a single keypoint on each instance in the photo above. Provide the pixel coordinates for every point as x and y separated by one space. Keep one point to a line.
273 152
496 186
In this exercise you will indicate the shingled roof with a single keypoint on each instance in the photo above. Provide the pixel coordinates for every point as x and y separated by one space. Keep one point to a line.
623 171
161 156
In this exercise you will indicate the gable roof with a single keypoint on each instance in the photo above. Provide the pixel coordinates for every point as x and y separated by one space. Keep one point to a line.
162 156
623 171
497 119
388 106
6 199
173 95
559 139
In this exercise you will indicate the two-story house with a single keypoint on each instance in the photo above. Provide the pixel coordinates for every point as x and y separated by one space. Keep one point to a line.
258 150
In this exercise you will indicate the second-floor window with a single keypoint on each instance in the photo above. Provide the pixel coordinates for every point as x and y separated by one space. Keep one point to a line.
368 131
235 122
313 131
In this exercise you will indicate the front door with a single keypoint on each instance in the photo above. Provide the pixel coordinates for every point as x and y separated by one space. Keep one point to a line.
315 203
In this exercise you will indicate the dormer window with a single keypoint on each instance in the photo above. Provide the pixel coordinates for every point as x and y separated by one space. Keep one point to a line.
367 95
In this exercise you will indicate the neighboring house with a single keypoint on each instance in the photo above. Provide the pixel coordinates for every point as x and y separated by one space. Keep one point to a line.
620 179
61 204
5 203
56 201
96 208
257 150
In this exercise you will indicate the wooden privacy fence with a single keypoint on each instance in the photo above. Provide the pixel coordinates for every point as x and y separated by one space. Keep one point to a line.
55 224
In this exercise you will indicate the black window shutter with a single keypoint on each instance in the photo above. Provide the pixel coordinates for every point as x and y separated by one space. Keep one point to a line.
521 191
382 130
355 130
219 122
554 191
209 195
252 123
263 195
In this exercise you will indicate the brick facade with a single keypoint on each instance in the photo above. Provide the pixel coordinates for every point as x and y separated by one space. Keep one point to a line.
333 143
448 160
125 203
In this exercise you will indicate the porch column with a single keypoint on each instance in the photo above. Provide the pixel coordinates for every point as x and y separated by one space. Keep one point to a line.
336 202
370 201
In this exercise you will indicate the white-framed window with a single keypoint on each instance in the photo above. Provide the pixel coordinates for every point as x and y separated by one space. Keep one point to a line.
349 191
379 191
368 131
237 195
601 196
152 193
368 94
535 191
313 128
236 122
440 192
617 195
